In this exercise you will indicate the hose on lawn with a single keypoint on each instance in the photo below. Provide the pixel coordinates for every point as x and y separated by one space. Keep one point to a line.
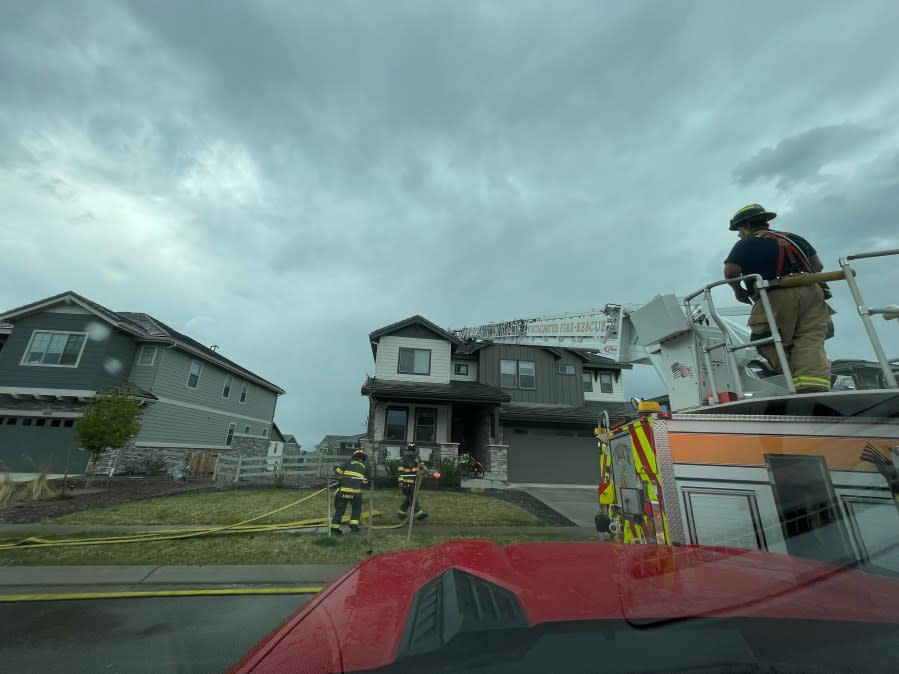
244 526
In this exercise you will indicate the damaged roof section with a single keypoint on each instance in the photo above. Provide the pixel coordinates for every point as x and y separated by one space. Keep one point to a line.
455 391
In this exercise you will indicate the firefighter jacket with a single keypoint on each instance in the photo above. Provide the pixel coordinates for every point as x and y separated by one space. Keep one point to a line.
408 470
353 475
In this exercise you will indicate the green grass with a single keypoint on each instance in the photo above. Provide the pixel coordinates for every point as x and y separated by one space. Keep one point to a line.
230 506
267 548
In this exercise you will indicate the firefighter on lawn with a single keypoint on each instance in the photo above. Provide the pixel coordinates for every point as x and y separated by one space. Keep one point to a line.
352 476
409 470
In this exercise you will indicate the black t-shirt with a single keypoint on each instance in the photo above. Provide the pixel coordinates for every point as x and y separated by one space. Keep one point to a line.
758 255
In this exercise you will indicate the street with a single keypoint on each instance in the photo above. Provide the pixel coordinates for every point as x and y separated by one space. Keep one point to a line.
182 634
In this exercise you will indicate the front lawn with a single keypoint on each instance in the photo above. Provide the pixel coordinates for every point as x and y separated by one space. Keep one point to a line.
445 507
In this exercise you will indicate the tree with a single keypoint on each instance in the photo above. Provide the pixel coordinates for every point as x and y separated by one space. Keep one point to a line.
109 421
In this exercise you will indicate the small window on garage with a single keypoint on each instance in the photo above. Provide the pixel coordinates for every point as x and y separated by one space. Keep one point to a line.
40 422
56 423
605 382
11 421
68 423
27 421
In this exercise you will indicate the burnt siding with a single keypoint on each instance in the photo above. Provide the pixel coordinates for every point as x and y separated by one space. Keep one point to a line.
552 388
104 363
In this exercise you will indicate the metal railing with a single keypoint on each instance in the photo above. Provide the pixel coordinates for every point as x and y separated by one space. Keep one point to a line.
866 312
846 273
727 342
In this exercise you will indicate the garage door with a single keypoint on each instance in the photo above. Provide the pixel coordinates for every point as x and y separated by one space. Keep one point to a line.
552 456
32 448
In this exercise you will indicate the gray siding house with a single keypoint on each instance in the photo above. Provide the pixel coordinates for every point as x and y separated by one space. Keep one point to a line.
526 412
55 354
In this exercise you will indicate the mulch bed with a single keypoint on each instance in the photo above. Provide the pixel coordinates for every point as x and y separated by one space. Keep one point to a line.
102 493
118 490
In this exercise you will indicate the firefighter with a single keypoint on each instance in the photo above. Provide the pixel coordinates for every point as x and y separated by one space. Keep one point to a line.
801 313
353 475
409 470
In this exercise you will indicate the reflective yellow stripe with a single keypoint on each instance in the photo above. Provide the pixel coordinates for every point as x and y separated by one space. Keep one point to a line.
350 490
352 473
811 381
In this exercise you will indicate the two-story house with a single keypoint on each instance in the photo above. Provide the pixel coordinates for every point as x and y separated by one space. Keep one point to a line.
526 412
55 354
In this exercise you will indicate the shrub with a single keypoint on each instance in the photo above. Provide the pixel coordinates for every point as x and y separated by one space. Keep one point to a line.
450 473
7 491
154 465
38 489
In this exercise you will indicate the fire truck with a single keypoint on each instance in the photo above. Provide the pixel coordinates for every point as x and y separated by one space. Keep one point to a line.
738 459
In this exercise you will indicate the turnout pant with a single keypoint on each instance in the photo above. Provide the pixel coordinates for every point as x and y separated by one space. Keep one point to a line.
803 318
408 493
341 499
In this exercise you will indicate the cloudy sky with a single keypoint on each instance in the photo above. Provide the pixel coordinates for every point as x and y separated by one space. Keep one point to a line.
282 178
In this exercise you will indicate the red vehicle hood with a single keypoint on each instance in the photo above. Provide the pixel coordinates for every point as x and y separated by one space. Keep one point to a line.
361 620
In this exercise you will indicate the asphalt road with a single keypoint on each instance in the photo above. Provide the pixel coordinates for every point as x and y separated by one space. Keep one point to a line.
179 634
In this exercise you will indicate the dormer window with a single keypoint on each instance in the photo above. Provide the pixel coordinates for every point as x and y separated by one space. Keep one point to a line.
414 361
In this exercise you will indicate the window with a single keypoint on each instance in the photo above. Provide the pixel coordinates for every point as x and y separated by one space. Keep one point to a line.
605 382
508 373
62 349
243 392
68 423
264 432
425 424
40 422
27 421
527 374
55 423
230 434
518 374
397 420
461 368
414 361
566 368
193 378
588 381
246 430
11 421
226 390
147 355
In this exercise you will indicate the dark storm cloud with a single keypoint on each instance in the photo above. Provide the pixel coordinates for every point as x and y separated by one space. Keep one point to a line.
318 170
802 156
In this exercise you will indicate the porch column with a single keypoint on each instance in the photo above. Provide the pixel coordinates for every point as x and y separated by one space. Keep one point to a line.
497 462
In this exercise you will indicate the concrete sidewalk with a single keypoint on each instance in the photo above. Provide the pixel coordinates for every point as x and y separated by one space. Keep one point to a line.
45 579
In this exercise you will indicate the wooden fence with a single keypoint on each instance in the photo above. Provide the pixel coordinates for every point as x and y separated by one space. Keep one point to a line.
234 468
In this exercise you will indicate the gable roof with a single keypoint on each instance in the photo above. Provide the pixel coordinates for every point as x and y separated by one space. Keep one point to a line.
417 319
145 328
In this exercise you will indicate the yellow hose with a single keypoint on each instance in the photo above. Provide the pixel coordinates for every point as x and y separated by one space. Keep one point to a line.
244 526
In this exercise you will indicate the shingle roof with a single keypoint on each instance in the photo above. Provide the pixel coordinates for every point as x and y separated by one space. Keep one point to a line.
421 320
149 328
589 413
591 358
455 391
340 438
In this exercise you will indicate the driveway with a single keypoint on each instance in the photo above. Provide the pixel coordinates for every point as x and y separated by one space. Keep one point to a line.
576 502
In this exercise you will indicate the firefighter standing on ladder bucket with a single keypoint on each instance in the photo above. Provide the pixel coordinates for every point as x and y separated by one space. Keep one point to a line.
353 475
409 469
801 313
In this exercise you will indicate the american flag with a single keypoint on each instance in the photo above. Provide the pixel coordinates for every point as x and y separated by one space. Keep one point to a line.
681 370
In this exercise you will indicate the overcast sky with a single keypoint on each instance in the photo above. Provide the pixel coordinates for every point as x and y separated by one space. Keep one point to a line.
282 178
